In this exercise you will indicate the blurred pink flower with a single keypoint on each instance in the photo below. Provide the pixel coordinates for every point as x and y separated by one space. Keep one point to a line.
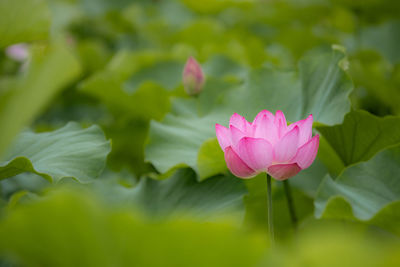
193 77
18 52
267 144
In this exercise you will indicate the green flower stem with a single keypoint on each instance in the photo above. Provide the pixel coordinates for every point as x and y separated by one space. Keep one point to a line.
292 210
270 211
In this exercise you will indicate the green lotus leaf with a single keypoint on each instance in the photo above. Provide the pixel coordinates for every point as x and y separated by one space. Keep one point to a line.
67 152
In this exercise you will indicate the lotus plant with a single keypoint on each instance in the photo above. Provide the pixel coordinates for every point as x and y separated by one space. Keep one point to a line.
268 145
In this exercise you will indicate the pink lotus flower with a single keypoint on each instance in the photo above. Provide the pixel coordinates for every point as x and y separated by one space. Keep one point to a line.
267 144
193 77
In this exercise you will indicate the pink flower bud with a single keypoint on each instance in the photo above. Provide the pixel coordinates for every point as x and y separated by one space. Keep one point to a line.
18 52
193 77
267 144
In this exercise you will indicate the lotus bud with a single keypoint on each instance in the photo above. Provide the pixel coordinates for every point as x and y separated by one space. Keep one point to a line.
193 77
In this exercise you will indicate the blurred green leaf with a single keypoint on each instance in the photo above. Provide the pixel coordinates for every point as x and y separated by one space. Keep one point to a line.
180 134
378 82
68 152
19 105
361 136
27 181
308 180
135 84
339 208
181 194
93 55
382 38
334 245
210 160
149 101
388 218
94 7
325 86
128 137
223 67
132 98
168 74
329 157
23 21
209 36
73 228
256 202
211 7
367 187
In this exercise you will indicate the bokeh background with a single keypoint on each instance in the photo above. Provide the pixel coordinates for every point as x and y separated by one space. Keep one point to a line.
106 161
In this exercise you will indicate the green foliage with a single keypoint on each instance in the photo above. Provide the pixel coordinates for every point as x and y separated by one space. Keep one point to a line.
180 194
210 160
361 135
308 180
367 186
71 228
337 246
68 152
166 197
123 92
133 100
382 39
180 134
325 86
19 104
23 21
377 82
